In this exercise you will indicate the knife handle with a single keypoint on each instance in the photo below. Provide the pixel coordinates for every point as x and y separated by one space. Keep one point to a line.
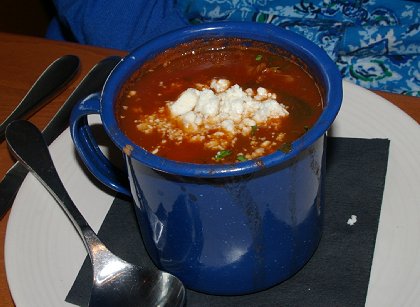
55 77
91 83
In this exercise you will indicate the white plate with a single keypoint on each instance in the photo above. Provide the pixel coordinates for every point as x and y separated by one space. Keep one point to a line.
43 253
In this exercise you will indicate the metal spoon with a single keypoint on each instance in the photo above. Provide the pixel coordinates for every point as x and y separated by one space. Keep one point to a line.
115 282
47 86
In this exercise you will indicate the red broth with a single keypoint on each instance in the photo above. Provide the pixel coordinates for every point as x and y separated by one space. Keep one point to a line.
143 101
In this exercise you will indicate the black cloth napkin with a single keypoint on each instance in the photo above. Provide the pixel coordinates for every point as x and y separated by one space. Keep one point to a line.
337 274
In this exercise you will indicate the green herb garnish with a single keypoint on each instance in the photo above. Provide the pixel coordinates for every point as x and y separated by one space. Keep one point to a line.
254 129
258 57
222 154
241 158
286 147
306 128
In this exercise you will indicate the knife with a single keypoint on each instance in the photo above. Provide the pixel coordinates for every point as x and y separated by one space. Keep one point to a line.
91 83
54 79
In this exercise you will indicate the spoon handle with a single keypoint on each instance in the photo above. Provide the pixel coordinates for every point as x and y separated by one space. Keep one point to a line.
28 145
50 82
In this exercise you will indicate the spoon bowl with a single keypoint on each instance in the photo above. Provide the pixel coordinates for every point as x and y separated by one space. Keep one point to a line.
115 281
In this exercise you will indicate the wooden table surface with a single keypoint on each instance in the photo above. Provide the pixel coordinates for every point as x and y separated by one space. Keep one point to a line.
22 60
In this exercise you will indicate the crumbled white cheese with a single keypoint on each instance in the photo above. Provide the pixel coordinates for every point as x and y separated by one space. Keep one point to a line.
186 102
228 125
263 94
220 85
208 103
189 118
226 107
352 220
217 115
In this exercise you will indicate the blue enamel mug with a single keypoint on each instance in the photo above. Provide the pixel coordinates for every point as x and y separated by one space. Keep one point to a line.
224 229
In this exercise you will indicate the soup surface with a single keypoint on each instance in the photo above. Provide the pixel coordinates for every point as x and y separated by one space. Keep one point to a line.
218 101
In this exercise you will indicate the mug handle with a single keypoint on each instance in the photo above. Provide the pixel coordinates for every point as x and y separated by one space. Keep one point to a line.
88 149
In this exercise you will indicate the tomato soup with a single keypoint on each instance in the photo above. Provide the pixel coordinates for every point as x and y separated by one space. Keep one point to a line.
219 101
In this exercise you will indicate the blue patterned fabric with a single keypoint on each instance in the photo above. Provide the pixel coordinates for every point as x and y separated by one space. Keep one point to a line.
375 43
